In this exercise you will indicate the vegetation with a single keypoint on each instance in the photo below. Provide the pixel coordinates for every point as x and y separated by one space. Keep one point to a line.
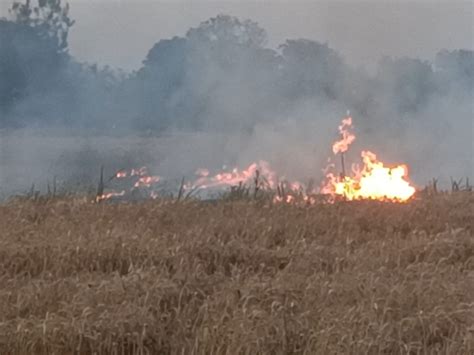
220 75
236 277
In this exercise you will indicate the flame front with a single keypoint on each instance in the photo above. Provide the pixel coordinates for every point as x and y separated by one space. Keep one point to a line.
374 181
109 195
260 170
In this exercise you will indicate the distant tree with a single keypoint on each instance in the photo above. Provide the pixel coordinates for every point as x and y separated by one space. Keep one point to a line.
28 63
187 80
408 82
33 55
312 69
224 29
157 82
232 74
455 69
50 18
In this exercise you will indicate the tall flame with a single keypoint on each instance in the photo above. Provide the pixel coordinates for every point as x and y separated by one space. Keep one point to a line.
347 137
374 181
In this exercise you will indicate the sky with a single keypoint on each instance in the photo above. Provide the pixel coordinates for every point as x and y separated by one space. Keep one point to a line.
120 32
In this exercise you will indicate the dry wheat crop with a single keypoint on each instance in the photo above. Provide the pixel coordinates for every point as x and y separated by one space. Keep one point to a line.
237 277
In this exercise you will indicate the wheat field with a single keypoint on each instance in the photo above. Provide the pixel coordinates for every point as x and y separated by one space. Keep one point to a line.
237 277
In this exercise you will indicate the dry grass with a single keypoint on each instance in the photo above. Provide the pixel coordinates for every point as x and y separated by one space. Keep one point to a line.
237 277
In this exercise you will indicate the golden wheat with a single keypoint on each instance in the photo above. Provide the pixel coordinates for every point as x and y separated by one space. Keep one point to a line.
237 277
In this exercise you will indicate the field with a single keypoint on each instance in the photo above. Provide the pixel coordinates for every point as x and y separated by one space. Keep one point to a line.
237 277
74 158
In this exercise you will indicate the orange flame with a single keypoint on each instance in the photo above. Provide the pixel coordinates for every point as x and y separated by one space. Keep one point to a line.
375 180
347 137
236 176
109 195
147 181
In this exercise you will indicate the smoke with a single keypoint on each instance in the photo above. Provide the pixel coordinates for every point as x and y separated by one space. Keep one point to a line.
219 96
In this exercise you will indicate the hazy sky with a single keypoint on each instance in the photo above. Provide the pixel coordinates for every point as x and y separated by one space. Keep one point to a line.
120 32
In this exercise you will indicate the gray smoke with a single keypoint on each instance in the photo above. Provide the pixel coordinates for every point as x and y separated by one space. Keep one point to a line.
220 96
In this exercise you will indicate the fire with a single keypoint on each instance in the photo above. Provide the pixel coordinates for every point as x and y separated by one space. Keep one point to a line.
260 171
347 137
143 171
374 181
109 195
147 181
259 176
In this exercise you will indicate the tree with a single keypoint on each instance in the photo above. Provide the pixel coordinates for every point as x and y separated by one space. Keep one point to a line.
28 63
311 69
216 75
158 81
227 29
33 57
231 73
408 82
49 18
455 69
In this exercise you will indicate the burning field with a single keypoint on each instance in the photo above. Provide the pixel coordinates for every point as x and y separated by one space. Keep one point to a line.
241 261
224 190
372 181
237 276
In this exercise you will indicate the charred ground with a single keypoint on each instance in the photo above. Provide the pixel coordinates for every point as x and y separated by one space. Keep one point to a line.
237 277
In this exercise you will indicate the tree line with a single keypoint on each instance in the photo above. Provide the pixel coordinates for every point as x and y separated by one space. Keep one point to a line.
220 75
